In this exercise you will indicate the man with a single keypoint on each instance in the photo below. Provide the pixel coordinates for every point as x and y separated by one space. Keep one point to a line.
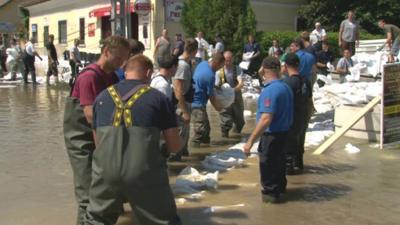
219 44
293 149
179 46
344 64
324 57
52 60
78 115
202 49
319 33
204 82
349 33
308 47
75 58
163 46
162 80
275 48
136 48
127 163
3 57
184 91
274 118
29 61
14 55
254 47
307 71
232 75
392 40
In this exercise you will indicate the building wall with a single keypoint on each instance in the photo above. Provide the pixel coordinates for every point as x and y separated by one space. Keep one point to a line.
9 12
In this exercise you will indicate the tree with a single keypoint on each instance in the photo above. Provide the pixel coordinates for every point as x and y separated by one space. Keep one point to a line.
331 13
233 20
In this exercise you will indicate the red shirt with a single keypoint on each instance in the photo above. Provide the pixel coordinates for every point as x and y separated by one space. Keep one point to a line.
89 84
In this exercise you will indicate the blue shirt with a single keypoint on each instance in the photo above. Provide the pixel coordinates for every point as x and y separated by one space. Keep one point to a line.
120 73
255 47
204 81
276 98
307 61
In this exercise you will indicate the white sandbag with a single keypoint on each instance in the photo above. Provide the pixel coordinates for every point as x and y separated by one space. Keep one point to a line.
351 149
247 113
225 95
189 179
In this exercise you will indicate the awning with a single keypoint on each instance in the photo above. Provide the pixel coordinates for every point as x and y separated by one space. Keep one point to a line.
106 11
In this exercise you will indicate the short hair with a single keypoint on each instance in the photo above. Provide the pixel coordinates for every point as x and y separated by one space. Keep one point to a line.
382 20
305 36
292 60
167 61
272 63
218 58
178 35
298 42
115 42
191 45
136 47
141 61
325 43
51 36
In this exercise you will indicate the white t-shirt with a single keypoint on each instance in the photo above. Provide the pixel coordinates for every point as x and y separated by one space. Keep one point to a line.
29 48
319 34
229 76
203 46
12 54
75 51
163 85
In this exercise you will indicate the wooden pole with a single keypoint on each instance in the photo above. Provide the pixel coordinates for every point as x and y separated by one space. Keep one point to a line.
347 126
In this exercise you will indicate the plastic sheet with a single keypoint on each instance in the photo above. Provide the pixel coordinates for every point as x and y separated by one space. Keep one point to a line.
190 181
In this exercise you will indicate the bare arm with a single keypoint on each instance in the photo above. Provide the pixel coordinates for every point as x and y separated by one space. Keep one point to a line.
239 85
389 39
263 123
175 52
156 47
214 102
173 140
88 111
178 90
340 35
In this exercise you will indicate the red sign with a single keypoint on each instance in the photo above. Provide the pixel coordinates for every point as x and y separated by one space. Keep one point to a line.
142 7
91 29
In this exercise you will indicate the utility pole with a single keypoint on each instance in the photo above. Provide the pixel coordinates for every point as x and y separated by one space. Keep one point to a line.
118 20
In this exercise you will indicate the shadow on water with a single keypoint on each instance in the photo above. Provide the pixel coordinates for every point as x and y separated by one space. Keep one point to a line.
328 169
317 192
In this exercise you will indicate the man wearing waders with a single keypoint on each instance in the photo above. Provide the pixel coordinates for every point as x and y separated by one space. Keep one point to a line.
78 114
232 75
128 119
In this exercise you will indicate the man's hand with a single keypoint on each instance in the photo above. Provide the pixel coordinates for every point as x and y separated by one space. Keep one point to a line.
186 117
247 148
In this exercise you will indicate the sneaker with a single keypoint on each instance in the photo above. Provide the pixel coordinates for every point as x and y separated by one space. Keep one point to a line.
266 198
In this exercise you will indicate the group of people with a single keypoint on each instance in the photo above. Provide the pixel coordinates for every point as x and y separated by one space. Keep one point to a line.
120 130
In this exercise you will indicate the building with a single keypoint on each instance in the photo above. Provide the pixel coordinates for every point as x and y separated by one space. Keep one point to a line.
89 20
11 19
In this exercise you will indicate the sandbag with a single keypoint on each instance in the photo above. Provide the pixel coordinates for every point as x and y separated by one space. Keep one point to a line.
225 95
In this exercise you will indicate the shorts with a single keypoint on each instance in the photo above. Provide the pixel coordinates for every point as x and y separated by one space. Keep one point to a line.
395 47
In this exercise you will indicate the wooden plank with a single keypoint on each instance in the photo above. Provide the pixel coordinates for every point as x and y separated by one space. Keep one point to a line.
347 126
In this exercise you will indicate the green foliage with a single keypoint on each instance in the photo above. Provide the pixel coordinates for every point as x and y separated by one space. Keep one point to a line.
233 20
286 37
25 14
331 13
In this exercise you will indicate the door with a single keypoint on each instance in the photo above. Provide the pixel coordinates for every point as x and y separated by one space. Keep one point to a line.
105 27
134 26
45 35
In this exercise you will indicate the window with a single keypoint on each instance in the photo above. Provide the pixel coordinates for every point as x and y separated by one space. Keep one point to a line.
62 32
45 35
34 33
82 30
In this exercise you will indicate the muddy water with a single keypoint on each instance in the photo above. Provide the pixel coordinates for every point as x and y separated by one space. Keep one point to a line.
337 188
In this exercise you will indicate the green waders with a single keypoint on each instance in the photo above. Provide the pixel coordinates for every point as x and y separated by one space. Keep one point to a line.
128 164
80 146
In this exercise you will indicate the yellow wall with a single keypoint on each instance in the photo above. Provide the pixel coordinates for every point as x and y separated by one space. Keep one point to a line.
72 17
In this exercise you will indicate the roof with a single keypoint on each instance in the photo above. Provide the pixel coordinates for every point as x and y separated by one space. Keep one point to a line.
27 3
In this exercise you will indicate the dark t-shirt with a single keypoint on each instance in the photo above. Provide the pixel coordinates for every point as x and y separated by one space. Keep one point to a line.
325 57
89 84
180 45
254 47
394 30
152 109
51 49
295 83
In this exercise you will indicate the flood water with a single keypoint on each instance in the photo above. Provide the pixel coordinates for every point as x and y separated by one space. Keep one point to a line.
337 188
